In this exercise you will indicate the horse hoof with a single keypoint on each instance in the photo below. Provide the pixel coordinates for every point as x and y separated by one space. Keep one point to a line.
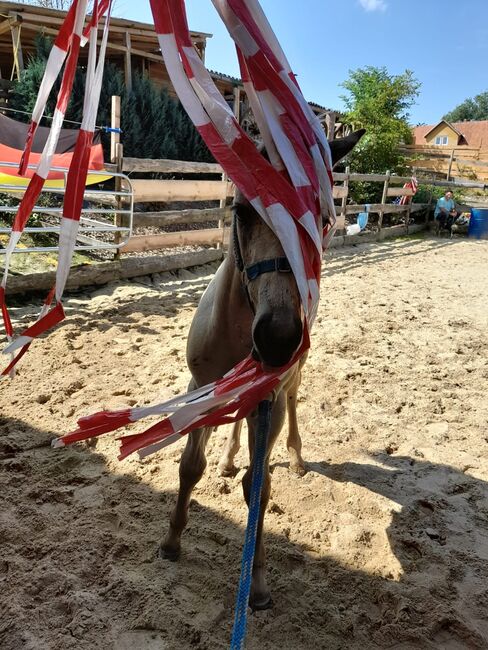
260 604
299 470
227 472
169 553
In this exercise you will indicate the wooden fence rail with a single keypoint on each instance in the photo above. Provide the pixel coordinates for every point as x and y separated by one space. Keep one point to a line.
163 166
217 218
178 217
151 191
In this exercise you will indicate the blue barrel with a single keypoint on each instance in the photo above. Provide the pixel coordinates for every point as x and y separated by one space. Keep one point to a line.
478 224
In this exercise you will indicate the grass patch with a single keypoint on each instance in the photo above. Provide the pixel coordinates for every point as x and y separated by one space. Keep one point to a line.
26 263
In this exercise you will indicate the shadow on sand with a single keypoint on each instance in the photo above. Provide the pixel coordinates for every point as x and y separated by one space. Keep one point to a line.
79 536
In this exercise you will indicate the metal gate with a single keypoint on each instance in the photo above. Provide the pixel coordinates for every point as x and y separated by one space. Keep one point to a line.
101 228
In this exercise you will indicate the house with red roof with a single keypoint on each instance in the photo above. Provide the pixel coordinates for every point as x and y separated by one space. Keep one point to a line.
472 135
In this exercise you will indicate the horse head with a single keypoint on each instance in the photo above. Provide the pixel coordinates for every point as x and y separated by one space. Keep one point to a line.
267 279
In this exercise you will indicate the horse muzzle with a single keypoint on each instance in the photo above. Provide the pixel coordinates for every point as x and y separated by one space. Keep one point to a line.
276 337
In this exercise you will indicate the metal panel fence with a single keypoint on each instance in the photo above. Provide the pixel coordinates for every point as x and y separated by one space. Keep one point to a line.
97 224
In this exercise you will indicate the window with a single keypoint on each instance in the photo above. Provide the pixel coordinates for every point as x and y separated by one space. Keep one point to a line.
442 140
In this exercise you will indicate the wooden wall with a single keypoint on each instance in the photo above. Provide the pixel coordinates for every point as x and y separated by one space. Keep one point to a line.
449 162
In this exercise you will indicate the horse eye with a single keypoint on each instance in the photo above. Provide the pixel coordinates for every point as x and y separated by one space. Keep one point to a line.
240 214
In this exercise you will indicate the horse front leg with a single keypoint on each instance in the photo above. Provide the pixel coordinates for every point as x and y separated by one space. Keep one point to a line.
293 441
192 466
260 597
233 443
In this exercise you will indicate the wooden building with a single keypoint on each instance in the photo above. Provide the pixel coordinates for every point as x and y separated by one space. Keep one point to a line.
132 46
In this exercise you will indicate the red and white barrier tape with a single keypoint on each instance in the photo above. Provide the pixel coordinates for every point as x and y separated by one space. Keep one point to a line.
292 193
79 167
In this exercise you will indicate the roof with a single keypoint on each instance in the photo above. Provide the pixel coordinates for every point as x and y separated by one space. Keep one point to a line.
451 126
143 37
475 134
321 108
37 13
235 81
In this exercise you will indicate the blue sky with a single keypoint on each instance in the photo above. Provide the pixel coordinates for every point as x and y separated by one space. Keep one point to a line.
444 42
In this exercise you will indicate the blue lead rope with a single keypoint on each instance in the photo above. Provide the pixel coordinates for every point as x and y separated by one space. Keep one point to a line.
242 600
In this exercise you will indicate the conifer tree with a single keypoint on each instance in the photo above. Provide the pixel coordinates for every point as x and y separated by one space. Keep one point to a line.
154 125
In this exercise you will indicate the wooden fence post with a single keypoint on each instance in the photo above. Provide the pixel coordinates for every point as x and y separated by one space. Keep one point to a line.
128 62
223 204
383 199
330 121
344 199
409 208
449 169
429 207
237 103
17 46
114 124
407 216
118 221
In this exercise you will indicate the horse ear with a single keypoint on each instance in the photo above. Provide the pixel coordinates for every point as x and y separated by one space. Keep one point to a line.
340 148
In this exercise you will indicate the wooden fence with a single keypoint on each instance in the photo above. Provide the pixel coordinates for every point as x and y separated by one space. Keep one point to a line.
217 218
457 163
178 191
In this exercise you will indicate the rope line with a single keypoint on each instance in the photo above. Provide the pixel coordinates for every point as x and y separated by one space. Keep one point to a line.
107 129
242 600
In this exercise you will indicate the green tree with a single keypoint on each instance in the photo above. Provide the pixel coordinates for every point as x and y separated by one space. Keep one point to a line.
379 102
471 109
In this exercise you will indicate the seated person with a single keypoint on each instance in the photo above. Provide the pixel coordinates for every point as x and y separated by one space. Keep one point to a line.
445 211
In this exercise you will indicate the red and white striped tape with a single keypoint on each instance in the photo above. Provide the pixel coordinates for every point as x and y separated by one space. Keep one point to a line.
411 185
66 46
292 193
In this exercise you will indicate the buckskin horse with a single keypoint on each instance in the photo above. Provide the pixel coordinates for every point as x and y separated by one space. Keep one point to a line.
251 305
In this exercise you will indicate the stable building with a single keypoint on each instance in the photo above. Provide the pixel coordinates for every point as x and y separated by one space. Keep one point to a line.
132 46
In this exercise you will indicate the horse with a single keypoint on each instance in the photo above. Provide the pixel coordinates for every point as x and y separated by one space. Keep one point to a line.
237 316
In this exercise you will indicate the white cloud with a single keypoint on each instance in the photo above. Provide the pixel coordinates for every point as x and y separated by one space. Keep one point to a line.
373 5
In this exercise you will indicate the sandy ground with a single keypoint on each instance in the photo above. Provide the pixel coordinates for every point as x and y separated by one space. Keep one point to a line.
383 543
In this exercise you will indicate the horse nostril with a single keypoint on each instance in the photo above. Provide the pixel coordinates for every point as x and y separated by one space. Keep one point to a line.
276 337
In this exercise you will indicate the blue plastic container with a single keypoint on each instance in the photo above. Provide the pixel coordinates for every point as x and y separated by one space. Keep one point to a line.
362 220
478 224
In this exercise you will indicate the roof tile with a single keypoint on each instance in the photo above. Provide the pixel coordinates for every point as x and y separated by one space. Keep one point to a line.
475 133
